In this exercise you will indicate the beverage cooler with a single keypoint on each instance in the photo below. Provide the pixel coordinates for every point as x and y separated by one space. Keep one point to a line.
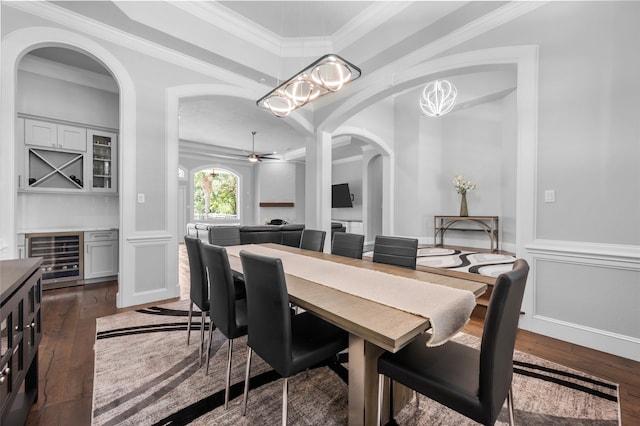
62 257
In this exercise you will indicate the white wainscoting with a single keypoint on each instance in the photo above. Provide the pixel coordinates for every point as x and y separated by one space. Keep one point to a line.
155 278
585 293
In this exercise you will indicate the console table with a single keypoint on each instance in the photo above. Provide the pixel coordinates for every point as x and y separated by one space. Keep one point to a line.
486 224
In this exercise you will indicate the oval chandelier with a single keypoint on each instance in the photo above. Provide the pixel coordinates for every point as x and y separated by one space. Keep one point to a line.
438 98
328 74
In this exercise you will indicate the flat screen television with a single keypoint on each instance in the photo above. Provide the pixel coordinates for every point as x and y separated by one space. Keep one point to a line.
340 196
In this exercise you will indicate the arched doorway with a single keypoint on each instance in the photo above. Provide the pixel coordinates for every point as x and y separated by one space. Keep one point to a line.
525 59
15 46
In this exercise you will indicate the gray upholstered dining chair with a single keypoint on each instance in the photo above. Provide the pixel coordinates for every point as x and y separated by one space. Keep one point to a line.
472 382
312 239
198 288
289 344
228 313
397 251
346 244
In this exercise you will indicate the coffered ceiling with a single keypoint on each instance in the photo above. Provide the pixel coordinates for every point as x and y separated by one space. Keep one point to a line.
264 42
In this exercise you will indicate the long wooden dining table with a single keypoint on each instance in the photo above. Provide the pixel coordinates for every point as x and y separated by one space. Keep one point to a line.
373 327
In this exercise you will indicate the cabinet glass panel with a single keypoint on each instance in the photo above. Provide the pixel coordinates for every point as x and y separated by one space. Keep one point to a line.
102 161
5 334
55 169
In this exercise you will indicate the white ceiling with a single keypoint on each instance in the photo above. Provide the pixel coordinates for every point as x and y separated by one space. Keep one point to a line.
293 19
268 41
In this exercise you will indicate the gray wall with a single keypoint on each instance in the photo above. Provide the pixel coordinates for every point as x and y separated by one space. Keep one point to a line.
588 129
48 97
585 255
54 98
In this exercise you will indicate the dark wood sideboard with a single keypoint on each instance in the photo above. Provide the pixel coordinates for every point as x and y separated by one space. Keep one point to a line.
20 335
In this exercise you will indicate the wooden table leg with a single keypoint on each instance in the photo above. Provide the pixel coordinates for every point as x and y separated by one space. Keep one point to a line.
363 384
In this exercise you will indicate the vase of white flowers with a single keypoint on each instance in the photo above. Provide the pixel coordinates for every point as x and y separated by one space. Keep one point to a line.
462 186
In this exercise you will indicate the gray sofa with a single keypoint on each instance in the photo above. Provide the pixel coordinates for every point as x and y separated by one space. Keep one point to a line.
227 235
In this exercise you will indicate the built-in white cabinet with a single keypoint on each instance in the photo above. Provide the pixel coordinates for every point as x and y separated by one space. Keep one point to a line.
103 149
54 170
53 135
100 254
59 157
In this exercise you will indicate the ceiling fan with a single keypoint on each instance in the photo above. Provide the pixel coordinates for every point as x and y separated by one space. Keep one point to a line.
253 157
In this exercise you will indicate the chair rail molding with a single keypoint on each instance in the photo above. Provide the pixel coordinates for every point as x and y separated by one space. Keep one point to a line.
625 254
586 293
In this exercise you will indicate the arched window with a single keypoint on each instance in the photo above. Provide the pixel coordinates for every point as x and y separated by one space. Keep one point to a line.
215 195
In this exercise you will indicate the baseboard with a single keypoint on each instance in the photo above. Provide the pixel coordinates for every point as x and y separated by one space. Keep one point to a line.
617 344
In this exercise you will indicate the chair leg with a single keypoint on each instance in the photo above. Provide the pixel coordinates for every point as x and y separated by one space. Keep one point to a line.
209 345
285 403
380 398
510 406
226 390
415 393
391 401
246 382
189 322
203 318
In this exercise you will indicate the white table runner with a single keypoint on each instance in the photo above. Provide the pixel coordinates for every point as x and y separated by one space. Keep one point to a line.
447 309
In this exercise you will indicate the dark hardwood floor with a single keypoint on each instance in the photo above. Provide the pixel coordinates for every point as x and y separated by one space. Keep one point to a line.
67 358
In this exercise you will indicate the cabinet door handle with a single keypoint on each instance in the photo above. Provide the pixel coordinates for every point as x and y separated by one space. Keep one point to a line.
3 374
101 235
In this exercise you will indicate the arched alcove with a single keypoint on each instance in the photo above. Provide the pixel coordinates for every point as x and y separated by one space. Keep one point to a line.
15 46
525 60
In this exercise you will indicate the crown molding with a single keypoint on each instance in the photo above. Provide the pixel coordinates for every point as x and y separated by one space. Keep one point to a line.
372 17
387 75
58 71
105 32
242 28
481 25
231 22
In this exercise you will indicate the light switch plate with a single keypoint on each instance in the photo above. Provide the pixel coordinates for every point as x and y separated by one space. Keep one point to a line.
550 196
140 198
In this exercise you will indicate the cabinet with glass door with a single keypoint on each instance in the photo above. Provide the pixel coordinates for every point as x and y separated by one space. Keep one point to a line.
104 158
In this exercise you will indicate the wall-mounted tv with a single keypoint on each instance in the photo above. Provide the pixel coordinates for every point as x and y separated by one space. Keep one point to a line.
340 196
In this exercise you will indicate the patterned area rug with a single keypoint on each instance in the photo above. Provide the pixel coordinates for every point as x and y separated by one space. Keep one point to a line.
146 374
487 264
